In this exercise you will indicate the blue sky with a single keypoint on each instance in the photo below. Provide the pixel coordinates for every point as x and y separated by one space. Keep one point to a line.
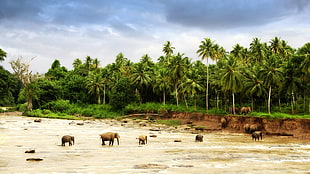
70 29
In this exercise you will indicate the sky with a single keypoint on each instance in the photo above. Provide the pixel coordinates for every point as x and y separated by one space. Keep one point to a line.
69 29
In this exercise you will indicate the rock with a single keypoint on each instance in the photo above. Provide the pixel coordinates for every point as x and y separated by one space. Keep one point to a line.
80 124
153 136
177 140
34 159
38 120
30 151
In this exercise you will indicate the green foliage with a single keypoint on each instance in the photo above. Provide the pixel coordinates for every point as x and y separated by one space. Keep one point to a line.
9 88
58 105
169 122
122 94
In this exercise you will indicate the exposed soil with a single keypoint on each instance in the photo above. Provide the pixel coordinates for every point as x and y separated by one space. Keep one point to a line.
297 128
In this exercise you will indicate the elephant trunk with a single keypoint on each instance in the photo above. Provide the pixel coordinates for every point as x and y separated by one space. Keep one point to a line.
117 141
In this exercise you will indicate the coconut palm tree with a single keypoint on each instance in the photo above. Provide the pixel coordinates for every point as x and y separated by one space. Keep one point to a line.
253 85
231 77
272 73
162 82
168 48
95 85
258 50
177 67
206 51
141 77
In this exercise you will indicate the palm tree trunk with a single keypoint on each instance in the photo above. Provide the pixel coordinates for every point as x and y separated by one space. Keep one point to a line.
269 98
164 97
293 102
233 101
217 102
176 94
252 103
207 88
104 94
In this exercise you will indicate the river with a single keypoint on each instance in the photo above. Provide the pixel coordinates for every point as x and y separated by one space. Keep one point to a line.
220 152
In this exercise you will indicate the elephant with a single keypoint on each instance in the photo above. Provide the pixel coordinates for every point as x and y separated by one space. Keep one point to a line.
247 128
109 136
257 135
223 122
67 138
245 110
231 110
142 139
199 138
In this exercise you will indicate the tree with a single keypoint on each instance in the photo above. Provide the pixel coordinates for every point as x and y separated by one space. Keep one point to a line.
95 85
272 73
231 77
168 48
258 50
162 82
206 51
9 88
122 94
2 55
21 70
141 77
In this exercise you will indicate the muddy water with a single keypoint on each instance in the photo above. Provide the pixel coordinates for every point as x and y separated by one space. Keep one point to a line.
221 152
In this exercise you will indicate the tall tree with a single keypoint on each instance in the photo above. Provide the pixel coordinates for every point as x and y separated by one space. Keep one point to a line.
231 77
272 73
21 70
168 48
206 51
95 85
162 82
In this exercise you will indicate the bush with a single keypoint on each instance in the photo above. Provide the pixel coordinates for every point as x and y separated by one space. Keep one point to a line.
58 105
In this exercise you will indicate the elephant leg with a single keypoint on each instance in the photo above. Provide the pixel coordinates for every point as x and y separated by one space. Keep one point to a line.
103 142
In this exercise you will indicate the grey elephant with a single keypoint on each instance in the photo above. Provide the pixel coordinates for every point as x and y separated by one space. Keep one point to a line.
142 139
109 136
256 135
67 138
199 138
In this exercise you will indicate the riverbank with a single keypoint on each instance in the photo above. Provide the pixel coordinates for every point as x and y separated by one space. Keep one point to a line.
295 128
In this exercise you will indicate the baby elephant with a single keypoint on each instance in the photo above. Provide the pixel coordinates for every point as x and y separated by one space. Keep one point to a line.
257 135
142 139
199 138
67 138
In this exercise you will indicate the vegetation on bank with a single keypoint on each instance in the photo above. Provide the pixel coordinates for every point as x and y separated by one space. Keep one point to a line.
270 77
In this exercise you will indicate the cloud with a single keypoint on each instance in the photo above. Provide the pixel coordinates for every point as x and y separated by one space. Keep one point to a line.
226 14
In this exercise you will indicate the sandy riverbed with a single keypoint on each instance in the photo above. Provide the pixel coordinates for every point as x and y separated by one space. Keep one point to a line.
221 152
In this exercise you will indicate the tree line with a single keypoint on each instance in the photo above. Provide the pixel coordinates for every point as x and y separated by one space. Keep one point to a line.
266 76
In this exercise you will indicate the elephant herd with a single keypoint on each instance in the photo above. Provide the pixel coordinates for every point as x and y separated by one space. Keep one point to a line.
110 136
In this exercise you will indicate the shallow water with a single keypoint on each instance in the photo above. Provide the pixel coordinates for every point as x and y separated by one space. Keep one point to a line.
220 152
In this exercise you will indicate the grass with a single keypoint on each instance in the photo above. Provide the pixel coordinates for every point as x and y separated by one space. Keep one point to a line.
169 122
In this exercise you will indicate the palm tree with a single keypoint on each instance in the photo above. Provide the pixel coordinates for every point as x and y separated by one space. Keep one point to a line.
272 73
275 45
192 84
95 85
177 67
258 50
168 48
253 85
76 63
206 51
231 77
140 77
162 82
